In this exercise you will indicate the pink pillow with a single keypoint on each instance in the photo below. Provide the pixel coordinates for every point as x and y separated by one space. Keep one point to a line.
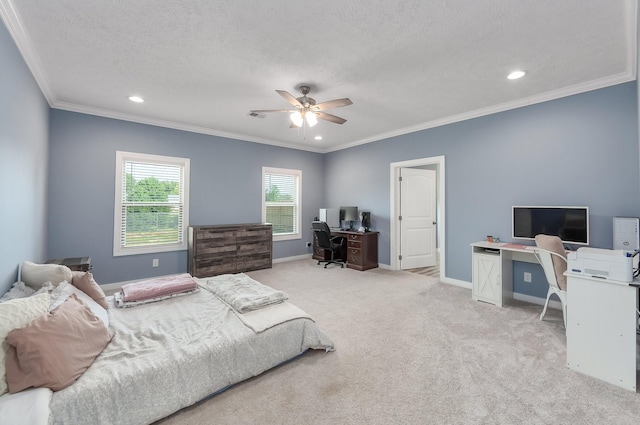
86 284
55 348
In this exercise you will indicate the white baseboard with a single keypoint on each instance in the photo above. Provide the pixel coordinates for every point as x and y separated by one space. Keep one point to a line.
294 258
456 282
535 300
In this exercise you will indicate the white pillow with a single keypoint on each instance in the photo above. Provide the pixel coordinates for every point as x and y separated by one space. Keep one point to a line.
35 275
17 314
28 407
18 290
64 291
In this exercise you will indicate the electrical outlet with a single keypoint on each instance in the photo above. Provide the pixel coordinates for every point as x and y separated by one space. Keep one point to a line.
527 277
156 262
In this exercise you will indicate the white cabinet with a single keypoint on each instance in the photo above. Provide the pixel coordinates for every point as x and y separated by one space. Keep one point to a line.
487 278
601 329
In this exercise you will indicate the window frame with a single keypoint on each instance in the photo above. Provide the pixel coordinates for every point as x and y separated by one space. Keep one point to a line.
298 205
121 158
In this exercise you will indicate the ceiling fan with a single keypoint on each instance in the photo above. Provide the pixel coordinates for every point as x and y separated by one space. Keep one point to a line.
306 108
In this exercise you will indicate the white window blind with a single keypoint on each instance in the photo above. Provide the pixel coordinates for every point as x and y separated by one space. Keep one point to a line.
151 208
281 202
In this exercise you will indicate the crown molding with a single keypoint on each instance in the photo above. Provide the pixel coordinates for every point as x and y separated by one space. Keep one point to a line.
624 77
89 110
22 40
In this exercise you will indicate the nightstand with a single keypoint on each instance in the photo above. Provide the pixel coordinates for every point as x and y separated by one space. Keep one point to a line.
82 264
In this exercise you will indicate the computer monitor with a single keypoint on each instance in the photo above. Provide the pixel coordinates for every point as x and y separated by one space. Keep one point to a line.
331 216
349 214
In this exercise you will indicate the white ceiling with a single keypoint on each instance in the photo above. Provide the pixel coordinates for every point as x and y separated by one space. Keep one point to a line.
201 65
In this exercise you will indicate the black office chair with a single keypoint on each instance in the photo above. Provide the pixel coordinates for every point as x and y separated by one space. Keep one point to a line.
324 240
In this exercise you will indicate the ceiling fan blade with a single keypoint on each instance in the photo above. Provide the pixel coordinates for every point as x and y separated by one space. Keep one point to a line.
261 111
335 103
292 100
331 118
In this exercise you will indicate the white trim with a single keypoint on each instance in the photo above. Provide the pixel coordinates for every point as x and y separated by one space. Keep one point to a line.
455 282
122 156
536 300
294 258
623 77
23 42
394 224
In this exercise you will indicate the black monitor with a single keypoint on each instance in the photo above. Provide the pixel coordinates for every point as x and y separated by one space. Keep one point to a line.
349 214
571 224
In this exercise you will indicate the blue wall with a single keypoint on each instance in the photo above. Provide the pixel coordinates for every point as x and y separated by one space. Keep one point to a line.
226 185
578 150
24 128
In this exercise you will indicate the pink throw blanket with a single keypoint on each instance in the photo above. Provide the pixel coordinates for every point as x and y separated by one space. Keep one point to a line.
158 287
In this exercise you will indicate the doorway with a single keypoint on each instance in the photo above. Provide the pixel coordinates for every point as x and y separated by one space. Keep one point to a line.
434 163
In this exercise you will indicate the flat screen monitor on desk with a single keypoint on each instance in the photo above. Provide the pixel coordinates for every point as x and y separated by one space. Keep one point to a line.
571 224
349 214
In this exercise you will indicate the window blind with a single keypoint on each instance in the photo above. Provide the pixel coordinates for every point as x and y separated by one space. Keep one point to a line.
151 211
281 200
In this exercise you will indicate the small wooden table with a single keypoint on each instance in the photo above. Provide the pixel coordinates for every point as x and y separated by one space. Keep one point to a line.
82 264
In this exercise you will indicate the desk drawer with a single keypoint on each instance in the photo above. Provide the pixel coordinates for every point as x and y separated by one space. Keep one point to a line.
354 238
354 257
354 244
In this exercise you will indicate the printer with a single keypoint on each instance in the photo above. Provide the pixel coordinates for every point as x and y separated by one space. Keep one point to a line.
611 264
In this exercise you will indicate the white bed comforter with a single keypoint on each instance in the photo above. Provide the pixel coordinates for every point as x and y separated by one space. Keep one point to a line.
168 355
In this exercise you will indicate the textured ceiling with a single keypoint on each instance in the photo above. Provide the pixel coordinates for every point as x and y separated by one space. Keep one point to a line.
201 65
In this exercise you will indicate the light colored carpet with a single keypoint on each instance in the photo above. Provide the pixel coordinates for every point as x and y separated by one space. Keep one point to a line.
411 350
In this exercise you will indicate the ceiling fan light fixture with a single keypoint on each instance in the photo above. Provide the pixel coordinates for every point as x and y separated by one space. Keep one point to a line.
311 118
296 118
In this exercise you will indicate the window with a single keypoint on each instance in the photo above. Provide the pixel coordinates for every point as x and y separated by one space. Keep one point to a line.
281 202
151 204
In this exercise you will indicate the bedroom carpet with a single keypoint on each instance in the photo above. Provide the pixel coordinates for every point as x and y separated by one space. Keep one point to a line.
412 350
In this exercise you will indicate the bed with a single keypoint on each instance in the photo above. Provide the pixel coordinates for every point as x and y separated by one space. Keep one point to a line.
170 354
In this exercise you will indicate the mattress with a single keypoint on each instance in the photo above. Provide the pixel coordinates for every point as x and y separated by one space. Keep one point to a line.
168 355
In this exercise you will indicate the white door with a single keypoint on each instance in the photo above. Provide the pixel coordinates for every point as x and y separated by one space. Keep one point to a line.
418 222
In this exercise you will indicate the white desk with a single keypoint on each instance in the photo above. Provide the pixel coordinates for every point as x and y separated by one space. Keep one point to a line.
601 329
493 269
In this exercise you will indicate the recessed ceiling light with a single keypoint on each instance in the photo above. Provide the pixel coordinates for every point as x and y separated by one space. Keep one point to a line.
318 137
516 74
136 99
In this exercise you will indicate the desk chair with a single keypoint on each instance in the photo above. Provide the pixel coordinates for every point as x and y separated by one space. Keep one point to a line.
334 244
553 259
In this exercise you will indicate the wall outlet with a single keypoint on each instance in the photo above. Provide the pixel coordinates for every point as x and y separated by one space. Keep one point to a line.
308 244
155 263
527 277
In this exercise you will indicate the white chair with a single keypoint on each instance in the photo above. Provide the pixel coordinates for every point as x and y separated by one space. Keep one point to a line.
553 258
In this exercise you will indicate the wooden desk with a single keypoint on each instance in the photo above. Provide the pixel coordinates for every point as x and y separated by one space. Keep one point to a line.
361 252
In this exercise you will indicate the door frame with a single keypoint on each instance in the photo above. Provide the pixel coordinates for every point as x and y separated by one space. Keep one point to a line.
394 172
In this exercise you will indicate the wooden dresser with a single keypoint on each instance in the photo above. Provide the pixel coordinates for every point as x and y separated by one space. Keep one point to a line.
230 248
361 251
